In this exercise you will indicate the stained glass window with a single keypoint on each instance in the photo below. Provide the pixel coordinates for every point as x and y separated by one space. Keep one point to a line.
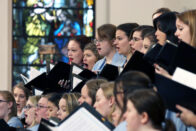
42 28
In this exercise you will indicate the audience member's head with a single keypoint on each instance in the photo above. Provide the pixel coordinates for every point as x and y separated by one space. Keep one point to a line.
67 104
75 48
21 95
145 111
105 37
88 92
105 102
42 109
165 26
91 56
149 39
125 84
137 37
122 38
8 107
53 102
186 27
30 110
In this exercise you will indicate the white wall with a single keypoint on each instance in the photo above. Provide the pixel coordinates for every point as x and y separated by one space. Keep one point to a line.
107 11
140 11
5 44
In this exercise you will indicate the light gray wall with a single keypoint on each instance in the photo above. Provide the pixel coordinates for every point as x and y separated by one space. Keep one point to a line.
5 44
140 11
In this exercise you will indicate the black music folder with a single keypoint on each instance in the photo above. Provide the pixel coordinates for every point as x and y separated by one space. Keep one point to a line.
85 73
152 53
109 72
174 93
138 63
167 55
42 85
185 58
61 71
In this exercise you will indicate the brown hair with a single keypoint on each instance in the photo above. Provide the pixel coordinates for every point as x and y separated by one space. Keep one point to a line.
92 47
107 31
93 85
82 40
21 86
149 101
189 18
161 11
10 98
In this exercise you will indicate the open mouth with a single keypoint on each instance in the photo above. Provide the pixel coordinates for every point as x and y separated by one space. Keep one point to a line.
117 48
26 116
99 49
18 105
70 59
85 65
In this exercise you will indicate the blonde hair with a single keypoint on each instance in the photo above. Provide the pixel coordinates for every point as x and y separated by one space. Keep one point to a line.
10 98
71 101
34 100
108 91
189 18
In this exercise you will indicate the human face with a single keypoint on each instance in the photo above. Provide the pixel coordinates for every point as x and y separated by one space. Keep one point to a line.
84 96
75 53
161 36
116 115
4 108
183 31
122 43
52 110
20 98
146 45
104 47
132 117
136 42
42 109
62 112
102 104
89 59
29 111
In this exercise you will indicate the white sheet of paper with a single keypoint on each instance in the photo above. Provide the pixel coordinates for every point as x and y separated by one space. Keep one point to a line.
24 78
76 70
38 92
185 77
34 73
76 81
51 66
82 120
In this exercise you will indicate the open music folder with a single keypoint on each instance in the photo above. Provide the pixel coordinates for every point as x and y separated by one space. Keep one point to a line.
84 118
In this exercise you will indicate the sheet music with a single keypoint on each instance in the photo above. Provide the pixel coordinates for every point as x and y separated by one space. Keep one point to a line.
24 78
120 69
51 66
38 92
76 81
82 120
76 70
185 77
34 73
